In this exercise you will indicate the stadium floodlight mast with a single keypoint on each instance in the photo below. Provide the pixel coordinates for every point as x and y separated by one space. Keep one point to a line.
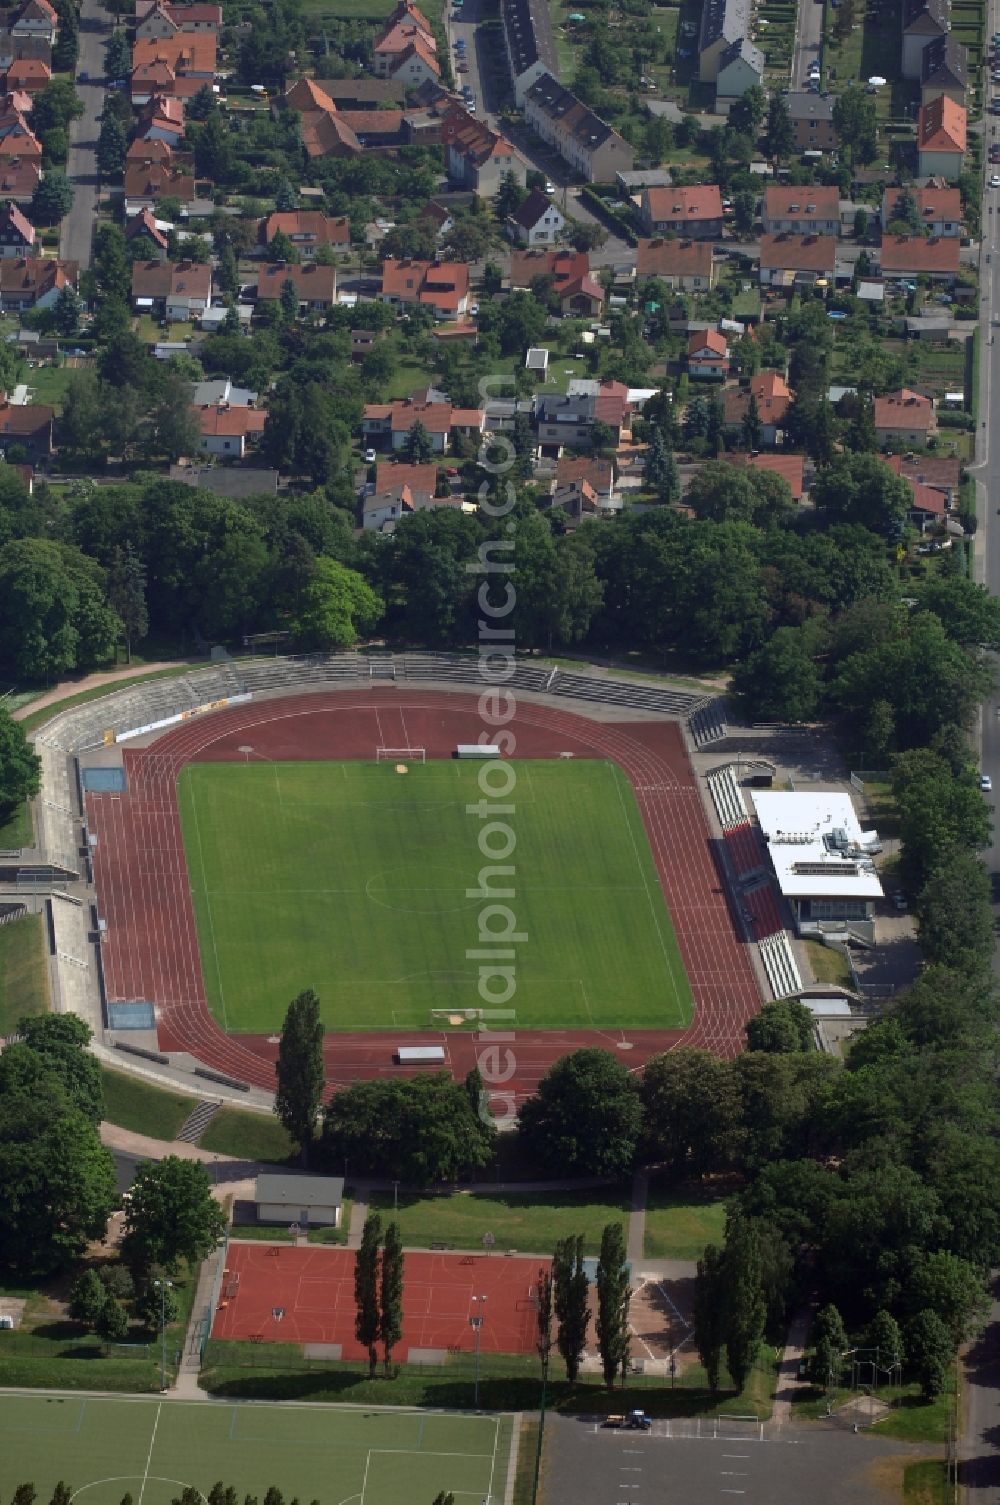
476 1323
162 1286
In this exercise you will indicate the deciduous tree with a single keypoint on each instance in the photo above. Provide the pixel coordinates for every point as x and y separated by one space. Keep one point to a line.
171 1215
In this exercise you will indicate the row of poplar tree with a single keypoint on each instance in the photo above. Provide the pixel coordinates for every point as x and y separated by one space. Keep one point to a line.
564 1302
378 1291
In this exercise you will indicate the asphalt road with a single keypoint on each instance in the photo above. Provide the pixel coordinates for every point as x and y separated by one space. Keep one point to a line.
81 167
823 1464
808 33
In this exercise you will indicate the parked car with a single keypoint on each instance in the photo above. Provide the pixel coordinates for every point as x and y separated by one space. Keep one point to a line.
995 180
986 783
370 457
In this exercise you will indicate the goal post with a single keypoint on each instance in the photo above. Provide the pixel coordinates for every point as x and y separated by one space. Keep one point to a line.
401 755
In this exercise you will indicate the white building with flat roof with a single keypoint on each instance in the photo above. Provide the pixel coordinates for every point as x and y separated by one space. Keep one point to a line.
822 860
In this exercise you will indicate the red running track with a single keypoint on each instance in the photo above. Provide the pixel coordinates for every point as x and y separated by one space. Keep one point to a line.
314 1287
151 952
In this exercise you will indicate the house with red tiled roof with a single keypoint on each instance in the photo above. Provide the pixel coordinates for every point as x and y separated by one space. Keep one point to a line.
399 489
144 223
34 281
305 95
175 290
694 213
478 158
936 257
147 180
789 261
583 487
791 468
27 75
938 207
942 472
28 424
175 66
19 177
581 297
228 431
567 421
406 48
941 139
443 286
161 119
708 355
315 285
563 266
374 127
390 423
154 18
773 398
934 482
687 265
904 418
308 229
17 233
801 211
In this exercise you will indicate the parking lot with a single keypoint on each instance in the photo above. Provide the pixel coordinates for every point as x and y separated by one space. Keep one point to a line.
721 1459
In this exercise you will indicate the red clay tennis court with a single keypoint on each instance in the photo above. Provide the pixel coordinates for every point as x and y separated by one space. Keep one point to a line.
313 1288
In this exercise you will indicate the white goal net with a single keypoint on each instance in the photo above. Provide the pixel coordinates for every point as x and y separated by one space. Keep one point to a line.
401 754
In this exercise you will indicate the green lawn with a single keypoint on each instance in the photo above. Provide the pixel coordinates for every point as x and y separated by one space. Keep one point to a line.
48 384
152 1449
530 1223
354 880
24 974
827 965
679 1225
250 1136
136 1105
17 832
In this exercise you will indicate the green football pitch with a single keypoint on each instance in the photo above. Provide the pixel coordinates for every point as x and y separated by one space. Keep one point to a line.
351 879
104 1449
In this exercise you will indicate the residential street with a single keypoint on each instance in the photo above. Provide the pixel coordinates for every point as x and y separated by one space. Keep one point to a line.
808 34
81 168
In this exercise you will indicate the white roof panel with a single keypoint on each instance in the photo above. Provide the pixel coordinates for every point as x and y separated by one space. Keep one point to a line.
817 847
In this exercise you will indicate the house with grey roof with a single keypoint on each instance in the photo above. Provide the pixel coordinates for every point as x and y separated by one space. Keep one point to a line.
944 70
812 121
586 142
722 23
299 1199
529 43
740 67
923 21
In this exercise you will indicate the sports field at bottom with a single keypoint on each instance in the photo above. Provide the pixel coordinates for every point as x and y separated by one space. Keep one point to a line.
354 879
104 1449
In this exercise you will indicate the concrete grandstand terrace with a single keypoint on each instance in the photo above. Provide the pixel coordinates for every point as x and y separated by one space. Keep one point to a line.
151 948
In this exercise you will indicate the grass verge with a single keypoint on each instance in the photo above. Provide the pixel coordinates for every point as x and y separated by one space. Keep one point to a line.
248 1136
134 1104
926 1482
525 1221
680 1224
17 832
826 964
24 974
277 1371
